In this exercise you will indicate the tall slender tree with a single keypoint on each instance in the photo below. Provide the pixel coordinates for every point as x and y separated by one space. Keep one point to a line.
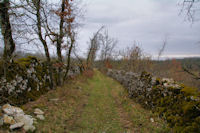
64 36
6 30
39 28
34 12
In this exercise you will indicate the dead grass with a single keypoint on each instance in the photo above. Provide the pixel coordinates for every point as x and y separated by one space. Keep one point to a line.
61 113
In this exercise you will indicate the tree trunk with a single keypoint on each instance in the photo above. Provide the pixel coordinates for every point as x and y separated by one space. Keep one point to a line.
88 56
59 43
38 7
9 45
69 58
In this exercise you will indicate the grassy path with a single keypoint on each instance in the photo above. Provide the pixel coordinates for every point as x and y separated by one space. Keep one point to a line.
96 105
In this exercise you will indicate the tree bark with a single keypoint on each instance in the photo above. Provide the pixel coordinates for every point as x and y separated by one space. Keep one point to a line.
69 58
60 37
39 27
59 43
9 45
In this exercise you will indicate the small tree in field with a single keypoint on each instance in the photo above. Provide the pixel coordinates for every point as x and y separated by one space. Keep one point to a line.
108 45
134 59
94 46
132 56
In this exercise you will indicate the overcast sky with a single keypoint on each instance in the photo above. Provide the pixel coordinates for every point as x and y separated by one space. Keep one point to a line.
147 22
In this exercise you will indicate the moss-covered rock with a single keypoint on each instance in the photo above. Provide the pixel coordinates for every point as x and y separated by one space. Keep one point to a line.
26 80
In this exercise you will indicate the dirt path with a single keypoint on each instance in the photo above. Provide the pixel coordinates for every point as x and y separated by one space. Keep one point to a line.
96 105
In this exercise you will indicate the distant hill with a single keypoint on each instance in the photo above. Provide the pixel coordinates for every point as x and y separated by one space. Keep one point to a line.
184 61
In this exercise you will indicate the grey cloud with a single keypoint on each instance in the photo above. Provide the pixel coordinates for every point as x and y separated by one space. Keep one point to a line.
145 21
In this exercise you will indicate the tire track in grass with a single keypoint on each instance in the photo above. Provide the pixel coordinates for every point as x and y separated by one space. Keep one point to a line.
100 106
100 114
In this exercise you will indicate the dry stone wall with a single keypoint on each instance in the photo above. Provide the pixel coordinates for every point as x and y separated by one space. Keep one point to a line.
179 105
26 80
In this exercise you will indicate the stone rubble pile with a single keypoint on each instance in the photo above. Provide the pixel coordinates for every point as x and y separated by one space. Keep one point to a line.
17 119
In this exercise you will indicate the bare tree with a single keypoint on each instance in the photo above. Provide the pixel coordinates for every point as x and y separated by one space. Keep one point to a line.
132 57
93 47
70 29
107 46
192 8
9 44
55 23
64 35
35 15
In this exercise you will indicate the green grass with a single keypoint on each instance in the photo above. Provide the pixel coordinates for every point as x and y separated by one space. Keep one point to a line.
100 114
101 105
